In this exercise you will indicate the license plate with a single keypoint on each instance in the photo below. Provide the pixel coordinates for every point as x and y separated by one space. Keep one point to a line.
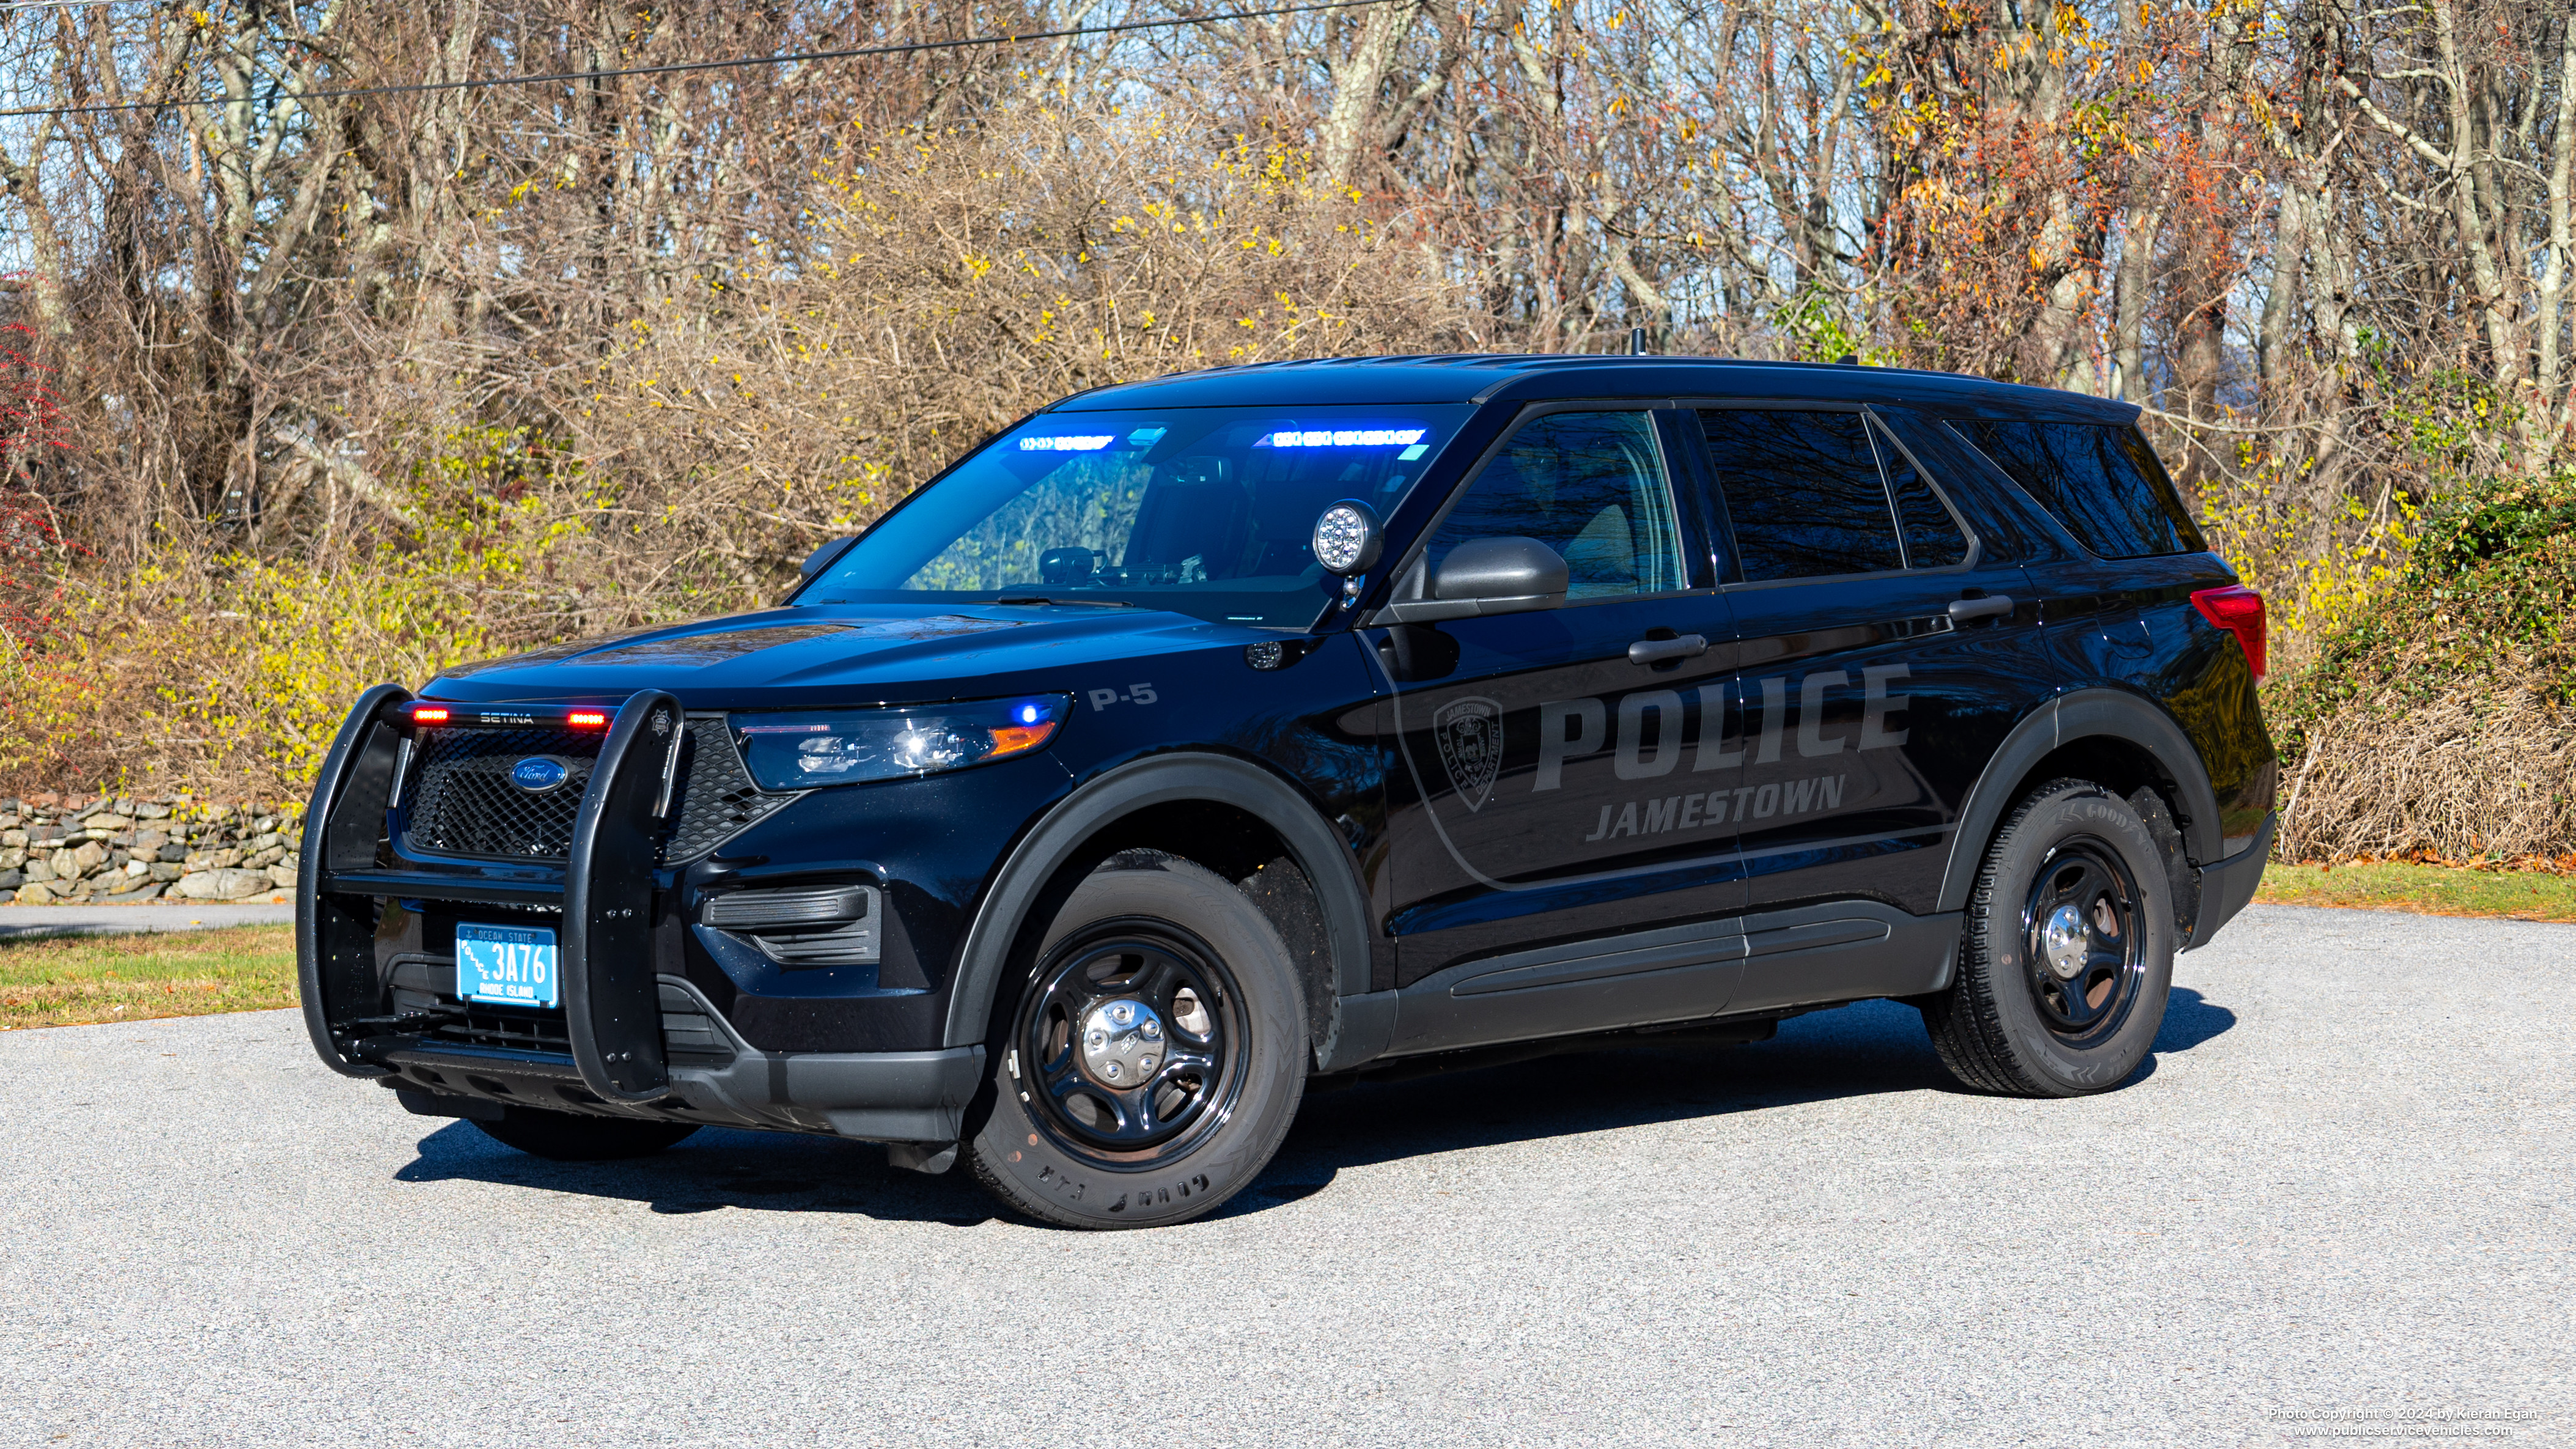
510 965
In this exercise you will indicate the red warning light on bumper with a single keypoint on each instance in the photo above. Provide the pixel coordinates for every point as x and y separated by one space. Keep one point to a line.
587 719
428 715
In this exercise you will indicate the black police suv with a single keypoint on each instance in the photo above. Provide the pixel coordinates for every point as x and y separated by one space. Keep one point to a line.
1196 738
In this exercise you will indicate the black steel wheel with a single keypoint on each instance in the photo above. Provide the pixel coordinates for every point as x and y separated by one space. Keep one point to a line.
2084 949
1126 1041
1153 1057
2066 955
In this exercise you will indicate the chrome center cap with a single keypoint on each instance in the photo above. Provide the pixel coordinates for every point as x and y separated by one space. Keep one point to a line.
1122 1043
2065 941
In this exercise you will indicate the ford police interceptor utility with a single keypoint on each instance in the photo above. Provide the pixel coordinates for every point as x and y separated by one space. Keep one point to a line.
1196 738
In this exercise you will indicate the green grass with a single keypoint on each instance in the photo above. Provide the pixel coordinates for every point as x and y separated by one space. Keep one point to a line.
2432 890
82 980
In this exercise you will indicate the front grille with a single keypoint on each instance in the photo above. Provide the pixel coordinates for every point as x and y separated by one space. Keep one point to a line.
462 801
527 1029
689 1036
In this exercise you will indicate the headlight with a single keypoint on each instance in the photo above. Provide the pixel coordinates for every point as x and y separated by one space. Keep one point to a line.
843 747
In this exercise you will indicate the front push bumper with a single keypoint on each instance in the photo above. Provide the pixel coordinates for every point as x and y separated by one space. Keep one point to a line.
634 1043
916 1097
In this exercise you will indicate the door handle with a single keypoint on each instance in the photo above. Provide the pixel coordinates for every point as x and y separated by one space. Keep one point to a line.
1993 606
1656 651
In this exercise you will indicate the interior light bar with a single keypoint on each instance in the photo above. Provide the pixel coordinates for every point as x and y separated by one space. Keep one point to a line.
1346 438
1084 443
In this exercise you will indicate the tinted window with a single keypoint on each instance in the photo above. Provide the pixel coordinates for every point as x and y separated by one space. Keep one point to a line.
1802 493
1932 536
1590 486
2103 483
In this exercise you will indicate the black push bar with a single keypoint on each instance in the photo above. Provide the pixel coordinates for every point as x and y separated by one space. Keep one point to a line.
612 1007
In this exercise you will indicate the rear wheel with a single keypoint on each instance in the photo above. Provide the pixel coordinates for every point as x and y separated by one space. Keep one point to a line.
1152 1057
2067 952
568 1137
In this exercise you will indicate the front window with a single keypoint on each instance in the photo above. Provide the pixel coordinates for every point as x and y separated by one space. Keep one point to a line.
1204 511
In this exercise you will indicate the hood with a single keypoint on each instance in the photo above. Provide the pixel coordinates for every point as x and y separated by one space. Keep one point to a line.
841 654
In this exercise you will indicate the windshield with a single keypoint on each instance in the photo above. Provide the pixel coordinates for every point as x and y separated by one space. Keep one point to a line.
1205 511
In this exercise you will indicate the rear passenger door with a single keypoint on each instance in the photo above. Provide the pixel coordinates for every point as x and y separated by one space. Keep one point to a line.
1883 660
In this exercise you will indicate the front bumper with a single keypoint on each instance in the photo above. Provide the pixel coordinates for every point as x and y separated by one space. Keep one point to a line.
916 1096
630 1039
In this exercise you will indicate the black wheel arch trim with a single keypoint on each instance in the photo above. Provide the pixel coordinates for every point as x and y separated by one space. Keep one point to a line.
2070 717
1047 847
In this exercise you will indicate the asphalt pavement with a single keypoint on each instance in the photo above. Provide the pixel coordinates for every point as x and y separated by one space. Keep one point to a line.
2339 1193
20 923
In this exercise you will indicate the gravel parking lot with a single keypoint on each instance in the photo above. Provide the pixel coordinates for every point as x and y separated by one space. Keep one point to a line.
2341 1189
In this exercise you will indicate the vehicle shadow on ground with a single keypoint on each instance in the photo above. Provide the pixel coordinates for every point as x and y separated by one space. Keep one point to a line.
715 1169
1869 1049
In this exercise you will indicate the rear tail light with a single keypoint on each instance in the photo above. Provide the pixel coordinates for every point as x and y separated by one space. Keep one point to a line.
2238 610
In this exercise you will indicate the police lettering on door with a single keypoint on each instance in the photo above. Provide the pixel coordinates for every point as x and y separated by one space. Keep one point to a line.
1651 740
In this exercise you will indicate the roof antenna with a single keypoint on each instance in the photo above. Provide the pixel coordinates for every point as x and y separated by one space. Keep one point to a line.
1636 342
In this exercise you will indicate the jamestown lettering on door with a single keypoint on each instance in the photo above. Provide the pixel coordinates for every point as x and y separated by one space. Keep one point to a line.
1693 812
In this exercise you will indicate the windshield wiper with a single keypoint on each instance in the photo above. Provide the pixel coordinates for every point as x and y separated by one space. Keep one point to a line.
1017 599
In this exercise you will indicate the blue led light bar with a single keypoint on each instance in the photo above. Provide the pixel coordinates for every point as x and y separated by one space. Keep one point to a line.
1344 438
1084 443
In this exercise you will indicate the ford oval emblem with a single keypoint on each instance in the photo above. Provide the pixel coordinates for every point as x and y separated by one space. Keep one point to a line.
537 774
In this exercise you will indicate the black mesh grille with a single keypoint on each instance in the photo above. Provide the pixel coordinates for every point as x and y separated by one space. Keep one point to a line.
717 798
462 801
464 804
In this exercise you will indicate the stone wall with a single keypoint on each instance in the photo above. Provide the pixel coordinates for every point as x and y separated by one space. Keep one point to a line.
75 849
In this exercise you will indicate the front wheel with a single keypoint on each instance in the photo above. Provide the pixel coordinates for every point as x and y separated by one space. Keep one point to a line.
2067 953
1152 1057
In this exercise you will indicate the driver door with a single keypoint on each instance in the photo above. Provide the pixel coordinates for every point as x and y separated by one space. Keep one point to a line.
1562 858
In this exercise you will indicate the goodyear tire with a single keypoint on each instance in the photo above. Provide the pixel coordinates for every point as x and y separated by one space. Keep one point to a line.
2067 954
1150 1057
568 1137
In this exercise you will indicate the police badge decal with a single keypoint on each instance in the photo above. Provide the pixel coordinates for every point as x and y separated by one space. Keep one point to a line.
1469 732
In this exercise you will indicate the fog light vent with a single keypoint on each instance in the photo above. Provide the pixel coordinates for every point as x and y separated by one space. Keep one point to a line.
803 925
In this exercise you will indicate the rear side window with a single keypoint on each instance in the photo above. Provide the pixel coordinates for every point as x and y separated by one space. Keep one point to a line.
2104 483
1932 536
1802 493
1809 495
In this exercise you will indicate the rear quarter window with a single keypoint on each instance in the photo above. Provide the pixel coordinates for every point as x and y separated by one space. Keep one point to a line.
2103 482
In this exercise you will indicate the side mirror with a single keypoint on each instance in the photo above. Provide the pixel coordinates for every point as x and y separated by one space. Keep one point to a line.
1507 575
823 557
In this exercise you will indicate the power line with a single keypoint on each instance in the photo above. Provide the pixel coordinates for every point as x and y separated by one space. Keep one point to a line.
784 58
